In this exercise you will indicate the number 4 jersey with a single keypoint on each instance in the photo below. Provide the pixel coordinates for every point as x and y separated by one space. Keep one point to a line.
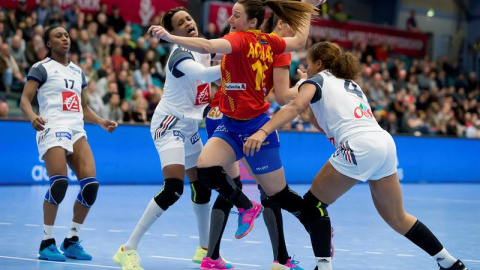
59 93
341 108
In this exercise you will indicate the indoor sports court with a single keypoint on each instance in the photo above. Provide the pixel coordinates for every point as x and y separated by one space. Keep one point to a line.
417 78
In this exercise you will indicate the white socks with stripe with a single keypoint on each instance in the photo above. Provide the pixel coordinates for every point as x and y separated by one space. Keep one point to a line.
202 213
74 229
47 232
151 214
444 259
324 263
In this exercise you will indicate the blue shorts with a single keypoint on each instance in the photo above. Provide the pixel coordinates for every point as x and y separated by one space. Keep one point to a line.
236 132
213 119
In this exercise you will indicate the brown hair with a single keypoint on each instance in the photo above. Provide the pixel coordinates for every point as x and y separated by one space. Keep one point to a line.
167 18
342 65
291 12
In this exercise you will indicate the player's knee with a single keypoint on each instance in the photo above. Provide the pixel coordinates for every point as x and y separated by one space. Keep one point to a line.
211 176
57 190
171 192
313 208
88 191
200 192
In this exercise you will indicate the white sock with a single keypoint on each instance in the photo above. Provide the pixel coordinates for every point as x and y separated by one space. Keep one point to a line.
151 214
74 229
202 212
444 258
47 232
324 263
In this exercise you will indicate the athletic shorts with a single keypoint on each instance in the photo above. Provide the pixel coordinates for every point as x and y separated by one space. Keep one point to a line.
58 137
369 156
168 133
236 132
213 120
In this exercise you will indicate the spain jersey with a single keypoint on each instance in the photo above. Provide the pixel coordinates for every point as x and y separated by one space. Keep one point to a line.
245 72
183 96
281 60
341 108
59 93
216 98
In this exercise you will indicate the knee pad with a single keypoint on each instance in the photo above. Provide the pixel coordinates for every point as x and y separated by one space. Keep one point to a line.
200 192
88 191
313 208
238 182
171 192
56 191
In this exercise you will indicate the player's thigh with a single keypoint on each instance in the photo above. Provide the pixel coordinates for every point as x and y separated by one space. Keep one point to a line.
81 161
329 184
216 152
55 161
272 182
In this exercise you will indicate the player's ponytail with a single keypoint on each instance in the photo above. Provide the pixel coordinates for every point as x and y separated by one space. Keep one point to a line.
342 65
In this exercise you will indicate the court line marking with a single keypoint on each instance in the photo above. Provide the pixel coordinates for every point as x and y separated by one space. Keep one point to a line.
374 252
116 231
170 235
405 255
472 261
5 223
32 225
186 259
71 263
253 242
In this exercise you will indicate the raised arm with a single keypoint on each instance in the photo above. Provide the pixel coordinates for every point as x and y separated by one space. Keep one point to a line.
200 45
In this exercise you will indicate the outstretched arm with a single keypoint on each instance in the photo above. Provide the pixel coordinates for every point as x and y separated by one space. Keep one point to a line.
197 71
200 45
285 115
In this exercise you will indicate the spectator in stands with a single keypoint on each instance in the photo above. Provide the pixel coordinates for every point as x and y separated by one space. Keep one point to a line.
71 14
139 113
102 23
3 109
112 88
85 46
21 12
54 13
411 23
12 73
17 50
115 20
4 31
142 77
94 101
112 110
338 14
42 12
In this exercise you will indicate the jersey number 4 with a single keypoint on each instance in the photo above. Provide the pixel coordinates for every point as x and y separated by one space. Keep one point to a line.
353 88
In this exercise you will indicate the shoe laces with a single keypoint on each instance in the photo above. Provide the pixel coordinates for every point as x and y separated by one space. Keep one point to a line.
247 214
133 258
53 248
76 245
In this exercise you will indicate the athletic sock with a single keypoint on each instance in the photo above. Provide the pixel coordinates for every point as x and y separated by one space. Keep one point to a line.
74 229
202 213
151 214
47 232
220 212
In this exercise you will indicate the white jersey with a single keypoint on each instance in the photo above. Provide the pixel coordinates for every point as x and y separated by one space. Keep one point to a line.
59 93
341 108
184 97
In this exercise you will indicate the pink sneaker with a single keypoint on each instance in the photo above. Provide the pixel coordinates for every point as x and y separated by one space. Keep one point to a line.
218 264
246 217
290 265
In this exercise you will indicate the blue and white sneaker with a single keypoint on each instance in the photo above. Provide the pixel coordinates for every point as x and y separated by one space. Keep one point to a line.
74 250
48 251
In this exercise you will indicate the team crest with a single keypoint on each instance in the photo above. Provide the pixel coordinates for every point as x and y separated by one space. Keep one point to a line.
203 94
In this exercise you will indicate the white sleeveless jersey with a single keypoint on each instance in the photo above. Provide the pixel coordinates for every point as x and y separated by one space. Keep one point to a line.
184 97
341 108
59 93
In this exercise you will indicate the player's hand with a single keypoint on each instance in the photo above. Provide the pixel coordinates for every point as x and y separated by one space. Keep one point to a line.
109 125
302 74
254 143
38 123
159 32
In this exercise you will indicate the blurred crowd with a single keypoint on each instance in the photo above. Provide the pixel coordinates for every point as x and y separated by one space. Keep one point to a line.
125 72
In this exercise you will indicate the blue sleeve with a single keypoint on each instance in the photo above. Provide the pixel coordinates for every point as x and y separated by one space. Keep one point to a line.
317 81
84 80
38 74
176 58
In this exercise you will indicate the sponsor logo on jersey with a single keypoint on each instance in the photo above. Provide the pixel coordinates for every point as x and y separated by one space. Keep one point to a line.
362 111
214 113
235 86
195 138
179 135
221 128
203 94
75 69
63 134
71 102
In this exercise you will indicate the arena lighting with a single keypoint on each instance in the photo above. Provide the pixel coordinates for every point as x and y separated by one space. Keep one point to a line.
430 12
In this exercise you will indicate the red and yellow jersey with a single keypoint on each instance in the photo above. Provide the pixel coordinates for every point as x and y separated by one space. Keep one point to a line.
281 60
246 71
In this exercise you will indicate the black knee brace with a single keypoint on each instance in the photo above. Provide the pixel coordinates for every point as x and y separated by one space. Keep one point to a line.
88 191
171 192
313 208
238 182
56 191
289 200
200 192
215 178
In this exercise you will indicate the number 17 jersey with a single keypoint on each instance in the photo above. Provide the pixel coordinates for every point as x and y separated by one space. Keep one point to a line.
59 93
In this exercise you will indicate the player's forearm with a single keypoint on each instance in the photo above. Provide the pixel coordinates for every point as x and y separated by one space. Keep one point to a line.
200 45
282 117
90 116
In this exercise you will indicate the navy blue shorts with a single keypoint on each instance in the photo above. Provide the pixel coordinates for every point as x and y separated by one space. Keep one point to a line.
236 132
